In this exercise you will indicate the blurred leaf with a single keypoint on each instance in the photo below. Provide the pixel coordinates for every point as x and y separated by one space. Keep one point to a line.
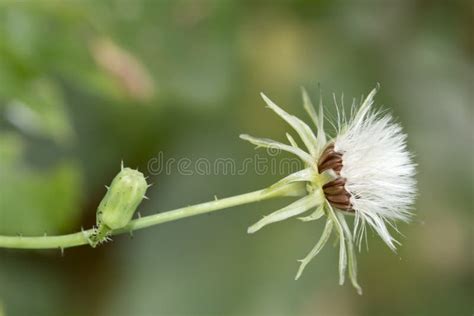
40 112
35 201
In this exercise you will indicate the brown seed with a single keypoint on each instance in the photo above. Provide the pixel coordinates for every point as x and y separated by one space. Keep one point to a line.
337 182
343 207
335 190
329 149
330 163
341 198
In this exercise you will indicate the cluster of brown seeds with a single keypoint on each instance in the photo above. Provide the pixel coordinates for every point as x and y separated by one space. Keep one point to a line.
335 191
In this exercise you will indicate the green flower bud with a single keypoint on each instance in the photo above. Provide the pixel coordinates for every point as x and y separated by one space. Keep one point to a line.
122 199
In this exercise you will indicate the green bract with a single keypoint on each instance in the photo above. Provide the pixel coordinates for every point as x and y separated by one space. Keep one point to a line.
123 196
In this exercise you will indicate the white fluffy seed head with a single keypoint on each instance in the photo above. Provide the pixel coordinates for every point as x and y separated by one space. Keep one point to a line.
379 170
365 170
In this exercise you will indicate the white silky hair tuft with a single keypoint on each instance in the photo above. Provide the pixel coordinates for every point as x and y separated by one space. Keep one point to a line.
378 169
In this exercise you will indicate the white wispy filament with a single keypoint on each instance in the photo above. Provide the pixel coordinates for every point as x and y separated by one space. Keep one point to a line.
366 171
379 171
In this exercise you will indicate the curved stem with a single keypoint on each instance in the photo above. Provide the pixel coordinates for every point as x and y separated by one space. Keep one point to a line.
84 237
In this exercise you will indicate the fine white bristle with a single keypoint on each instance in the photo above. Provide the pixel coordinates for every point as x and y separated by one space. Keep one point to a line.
379 170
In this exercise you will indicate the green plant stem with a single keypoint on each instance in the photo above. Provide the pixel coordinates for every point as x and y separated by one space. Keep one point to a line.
84 237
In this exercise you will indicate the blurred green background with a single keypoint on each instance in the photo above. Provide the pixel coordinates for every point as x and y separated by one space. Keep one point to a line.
85 84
